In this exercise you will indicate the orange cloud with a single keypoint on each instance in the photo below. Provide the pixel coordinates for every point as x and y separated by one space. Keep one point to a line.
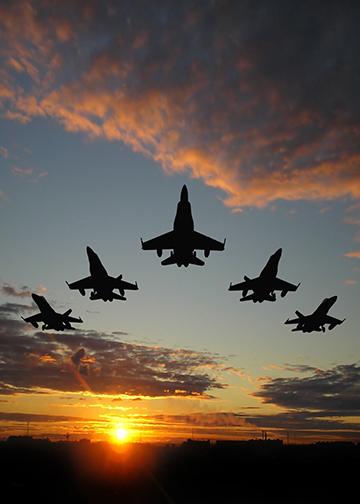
355 254
17 170
219 112
350 281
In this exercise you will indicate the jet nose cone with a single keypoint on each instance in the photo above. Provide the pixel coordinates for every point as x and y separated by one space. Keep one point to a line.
278 253
36 298
89 251
332 299
184 194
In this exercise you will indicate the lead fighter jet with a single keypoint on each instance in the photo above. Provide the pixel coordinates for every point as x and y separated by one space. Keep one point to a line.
51 319
183 240
265 285
318 319
101 283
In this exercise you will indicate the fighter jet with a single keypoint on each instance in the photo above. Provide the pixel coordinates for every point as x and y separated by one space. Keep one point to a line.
265 285
51 319
183 240
100 282
318 319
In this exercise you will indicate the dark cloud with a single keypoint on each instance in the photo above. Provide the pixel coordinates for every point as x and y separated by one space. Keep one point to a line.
10 290
304 425
101 363
334 392
32 417
220 419
254 99
14 308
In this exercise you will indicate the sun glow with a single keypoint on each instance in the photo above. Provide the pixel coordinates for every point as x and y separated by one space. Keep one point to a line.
120 434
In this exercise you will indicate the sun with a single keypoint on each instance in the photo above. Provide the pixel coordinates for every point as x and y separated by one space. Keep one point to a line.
120 434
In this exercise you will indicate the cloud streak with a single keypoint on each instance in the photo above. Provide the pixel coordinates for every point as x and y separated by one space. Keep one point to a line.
355 254
257 102
22 292
99 363
332 392
11 290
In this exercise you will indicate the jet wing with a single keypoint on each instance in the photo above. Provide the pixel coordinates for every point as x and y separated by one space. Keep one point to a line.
127 285
74 319
247 285
332 320
203 242
281 285
39 317
293 321
162 242
84 283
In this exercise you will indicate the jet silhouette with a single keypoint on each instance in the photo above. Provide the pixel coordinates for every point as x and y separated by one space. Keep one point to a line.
51 319
318 319
183 240
101 283
265 285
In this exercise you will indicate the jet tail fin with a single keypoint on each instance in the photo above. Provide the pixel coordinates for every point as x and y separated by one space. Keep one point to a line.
299 314
67 313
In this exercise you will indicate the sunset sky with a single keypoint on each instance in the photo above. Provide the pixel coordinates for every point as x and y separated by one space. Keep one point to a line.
106 110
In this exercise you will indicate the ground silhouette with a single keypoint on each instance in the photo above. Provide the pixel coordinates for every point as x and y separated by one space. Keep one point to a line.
256 471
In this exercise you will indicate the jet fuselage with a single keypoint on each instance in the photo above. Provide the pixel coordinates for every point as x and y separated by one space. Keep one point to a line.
51 319
183 254
103 283
316 321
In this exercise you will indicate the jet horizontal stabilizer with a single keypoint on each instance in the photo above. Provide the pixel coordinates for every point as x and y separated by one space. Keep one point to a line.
118 296
197 261
169 260
247 298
